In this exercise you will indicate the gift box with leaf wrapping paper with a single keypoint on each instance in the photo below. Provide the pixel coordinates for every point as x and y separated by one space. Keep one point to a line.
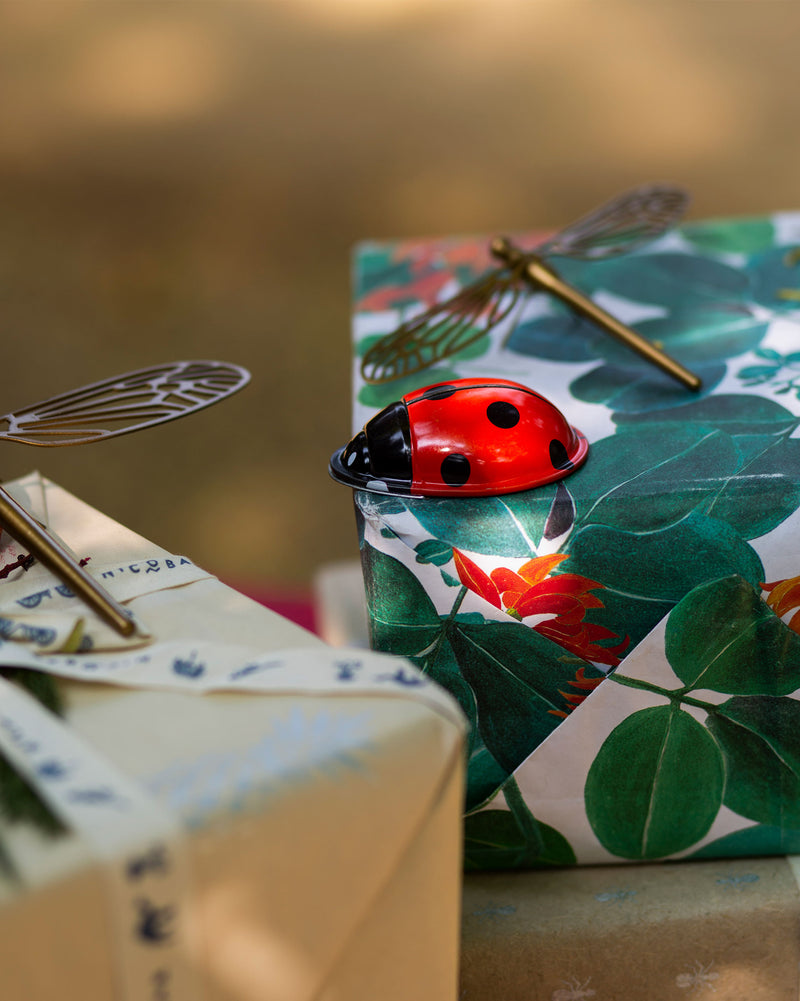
624 641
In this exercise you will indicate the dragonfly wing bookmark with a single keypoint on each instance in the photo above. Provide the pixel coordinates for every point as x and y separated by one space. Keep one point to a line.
106 409
620 225
617 227
125 403
444 329
542 276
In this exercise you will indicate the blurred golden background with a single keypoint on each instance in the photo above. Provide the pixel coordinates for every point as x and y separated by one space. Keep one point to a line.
187 180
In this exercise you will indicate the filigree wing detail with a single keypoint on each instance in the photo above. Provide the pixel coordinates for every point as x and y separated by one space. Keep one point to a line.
444 329
125 403
621 224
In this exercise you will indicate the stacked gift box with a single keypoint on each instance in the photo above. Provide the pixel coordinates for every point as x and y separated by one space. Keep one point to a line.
624 640
220 806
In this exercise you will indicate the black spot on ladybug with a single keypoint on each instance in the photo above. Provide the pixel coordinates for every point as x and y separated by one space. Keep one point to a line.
559 456
455 469
438 393
502 414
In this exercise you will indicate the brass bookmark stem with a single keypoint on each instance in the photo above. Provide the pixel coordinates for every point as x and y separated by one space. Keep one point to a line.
542 276
27 531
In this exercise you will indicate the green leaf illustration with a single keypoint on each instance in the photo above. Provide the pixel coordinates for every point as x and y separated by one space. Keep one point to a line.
376 267
518 677
493 840
484 775
756 375
765 490
559 335
724 638
638 800
731 412
760 738
635 386
663 279
402 618
664 564
775 277
764 487
433 551
745 474
760 839
508 525
744 236
702 336
696 337
667 472
627 614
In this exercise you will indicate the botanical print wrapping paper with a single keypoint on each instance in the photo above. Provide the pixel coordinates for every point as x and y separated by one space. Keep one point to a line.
625 642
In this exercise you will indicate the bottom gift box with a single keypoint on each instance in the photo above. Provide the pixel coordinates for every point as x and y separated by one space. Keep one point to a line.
221 807
669 931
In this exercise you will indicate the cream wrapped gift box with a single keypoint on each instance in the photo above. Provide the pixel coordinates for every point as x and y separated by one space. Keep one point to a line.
250 815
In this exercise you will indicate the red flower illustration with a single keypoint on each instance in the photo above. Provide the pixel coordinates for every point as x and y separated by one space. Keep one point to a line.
563 598
425 290
447 255
433 265
584 685
784 595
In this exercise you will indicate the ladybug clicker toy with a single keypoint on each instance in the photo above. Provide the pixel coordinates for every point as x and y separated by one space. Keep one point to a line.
468 438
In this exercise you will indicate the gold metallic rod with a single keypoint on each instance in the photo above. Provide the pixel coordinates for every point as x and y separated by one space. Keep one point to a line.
541 275
27 531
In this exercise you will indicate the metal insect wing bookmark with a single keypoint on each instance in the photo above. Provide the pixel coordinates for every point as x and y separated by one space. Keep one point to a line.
616 227
116 406
542 276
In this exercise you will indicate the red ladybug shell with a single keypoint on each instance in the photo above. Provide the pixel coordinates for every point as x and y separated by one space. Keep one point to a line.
468 437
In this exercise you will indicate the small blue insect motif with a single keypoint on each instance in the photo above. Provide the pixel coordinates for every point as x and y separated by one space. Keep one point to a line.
248 669
615 896
154 923
40 635
495 911
155 860
98 796
52 769
190 667
32 600
346 669
18 736
403 677
734 881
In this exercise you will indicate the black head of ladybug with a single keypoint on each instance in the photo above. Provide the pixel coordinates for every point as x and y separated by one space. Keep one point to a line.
469 438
